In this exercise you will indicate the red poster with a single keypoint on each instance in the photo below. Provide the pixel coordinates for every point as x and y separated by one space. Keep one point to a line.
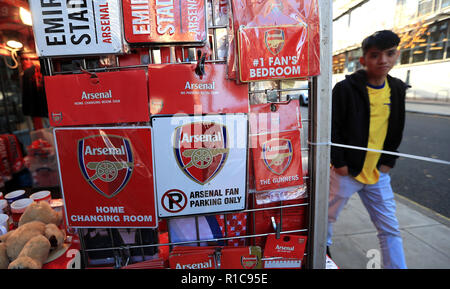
176 88
81 99
107 176
277 160
264 119
274 52
286 252
192 258
288 31
164 21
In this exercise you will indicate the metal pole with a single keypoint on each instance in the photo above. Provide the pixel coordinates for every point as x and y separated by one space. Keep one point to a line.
320 128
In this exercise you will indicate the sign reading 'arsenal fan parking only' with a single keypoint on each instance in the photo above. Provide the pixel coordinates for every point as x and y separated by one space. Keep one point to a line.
164 21
106 176
199 165
76 27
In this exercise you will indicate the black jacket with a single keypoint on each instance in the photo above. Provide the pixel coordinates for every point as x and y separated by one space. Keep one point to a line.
351 118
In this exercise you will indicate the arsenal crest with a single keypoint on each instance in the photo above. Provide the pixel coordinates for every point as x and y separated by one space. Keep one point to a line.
277 155
57 117
201 150
249 262
106 162
274 40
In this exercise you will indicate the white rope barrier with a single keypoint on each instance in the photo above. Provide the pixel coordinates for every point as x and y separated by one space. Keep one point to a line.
426 159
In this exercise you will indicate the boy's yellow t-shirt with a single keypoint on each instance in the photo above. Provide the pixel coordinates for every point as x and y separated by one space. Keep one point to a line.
380 101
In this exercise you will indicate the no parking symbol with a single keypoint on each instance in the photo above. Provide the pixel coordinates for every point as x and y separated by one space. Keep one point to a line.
174 201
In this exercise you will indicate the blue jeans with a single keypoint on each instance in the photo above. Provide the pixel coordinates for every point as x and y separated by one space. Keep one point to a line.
380 204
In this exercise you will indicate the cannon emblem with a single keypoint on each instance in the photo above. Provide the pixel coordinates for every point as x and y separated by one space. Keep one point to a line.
274 40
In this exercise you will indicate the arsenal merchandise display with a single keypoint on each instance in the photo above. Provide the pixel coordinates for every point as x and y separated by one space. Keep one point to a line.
67 257
107 176
277 216
190 93
276 152
166 158
70 28
195 158
164 22
99 98
275 39
284 253
11 157
218 227
215 258
41 159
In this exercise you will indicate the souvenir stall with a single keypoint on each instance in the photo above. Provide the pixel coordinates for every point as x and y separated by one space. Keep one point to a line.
187 134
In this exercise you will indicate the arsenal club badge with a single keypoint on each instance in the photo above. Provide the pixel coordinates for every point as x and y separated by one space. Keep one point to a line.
277 155
106 162
202 156
274 40
277 160
107 176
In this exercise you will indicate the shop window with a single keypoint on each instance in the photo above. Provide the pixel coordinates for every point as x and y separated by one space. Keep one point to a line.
10 95
338 63
445 4
418 55
448 49
438 32
437 37
353 60
436 51
425 7
405 56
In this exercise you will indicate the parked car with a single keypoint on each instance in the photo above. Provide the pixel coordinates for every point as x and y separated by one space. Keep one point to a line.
303 98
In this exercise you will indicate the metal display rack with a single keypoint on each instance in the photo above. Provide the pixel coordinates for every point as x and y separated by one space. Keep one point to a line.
316 130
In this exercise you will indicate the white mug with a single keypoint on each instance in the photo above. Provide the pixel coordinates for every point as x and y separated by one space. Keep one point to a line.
4 224
41 196
4 208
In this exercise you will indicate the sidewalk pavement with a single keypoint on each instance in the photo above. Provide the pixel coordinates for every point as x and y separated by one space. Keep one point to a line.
426 237
426 234
428 107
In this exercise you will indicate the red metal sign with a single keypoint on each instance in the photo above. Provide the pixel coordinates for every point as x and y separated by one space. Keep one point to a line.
285 117
81 99
168 21
276 39
277 160
275 52
175 88
107 176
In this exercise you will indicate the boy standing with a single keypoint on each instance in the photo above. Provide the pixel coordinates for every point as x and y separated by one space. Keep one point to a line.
369 112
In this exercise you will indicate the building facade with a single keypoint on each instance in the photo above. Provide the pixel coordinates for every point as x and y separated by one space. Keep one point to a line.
423 26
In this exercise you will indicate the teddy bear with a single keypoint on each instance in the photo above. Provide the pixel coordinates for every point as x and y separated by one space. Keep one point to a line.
28 246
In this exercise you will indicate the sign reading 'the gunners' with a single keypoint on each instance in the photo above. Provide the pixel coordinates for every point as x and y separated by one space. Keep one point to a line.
198 163
76 27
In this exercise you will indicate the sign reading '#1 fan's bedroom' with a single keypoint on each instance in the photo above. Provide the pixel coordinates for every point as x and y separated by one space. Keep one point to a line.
76 27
